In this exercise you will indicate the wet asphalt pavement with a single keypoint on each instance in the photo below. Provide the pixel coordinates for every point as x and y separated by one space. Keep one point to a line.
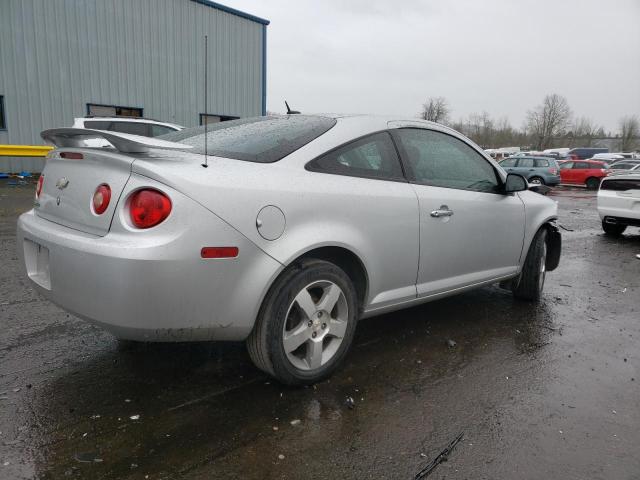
540 391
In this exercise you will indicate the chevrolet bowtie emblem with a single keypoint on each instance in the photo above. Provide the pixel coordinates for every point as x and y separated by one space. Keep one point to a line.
62 183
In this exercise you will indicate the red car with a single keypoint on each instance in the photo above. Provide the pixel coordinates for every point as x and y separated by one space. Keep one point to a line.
583 172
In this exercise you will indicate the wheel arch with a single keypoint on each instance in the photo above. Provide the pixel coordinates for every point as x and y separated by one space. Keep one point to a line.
344 258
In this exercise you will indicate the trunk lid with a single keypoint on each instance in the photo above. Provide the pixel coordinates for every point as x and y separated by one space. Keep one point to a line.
69 184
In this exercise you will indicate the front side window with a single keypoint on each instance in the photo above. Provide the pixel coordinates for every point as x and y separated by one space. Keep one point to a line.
373 156
623 166
509 162
256 139
442 160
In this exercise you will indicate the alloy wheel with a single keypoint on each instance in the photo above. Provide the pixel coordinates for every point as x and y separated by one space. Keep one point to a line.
315 325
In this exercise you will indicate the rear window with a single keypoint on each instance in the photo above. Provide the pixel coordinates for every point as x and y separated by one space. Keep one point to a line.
621 185
257 139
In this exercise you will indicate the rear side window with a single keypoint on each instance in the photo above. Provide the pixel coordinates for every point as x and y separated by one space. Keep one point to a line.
582 165
621 185
541 162
525 163
97 124
373 156
132 128
441 160
257 139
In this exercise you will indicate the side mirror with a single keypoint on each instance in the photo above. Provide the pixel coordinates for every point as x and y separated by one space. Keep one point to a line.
515 183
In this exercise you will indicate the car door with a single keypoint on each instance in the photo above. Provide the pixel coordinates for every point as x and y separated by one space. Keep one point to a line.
369 197
509 164
469 232
525 167
567 172
580 172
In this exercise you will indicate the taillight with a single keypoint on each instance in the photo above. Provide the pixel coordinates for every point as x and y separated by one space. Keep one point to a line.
101 198
39 186
148 208
553 171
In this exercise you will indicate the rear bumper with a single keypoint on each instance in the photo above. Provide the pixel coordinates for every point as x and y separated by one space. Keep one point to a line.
154 287
629 222
552 181
618 207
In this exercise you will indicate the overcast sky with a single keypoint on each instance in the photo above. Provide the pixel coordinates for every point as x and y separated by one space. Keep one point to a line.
387 57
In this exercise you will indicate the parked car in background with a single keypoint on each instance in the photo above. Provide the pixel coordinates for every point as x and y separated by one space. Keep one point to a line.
618 200
144 127
338 218
585 152
623 165
634 169
537 170
583 172
608 158
632 155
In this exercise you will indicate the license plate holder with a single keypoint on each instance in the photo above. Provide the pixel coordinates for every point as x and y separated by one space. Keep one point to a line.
36 259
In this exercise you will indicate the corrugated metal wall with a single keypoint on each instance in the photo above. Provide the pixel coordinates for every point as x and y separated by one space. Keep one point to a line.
58 55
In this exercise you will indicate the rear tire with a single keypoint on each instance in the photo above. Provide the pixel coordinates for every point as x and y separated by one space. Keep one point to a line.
531 281
306 323
536 181
593 183
613 229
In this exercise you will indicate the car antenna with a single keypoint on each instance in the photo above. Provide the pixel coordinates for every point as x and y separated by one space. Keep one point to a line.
206 116
289 111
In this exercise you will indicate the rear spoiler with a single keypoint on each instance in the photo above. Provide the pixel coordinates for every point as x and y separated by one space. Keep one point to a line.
123 142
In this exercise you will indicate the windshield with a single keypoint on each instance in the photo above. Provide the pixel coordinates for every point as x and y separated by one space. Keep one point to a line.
256 139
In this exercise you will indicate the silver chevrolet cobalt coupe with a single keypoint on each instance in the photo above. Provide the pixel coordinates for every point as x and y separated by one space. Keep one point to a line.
283 231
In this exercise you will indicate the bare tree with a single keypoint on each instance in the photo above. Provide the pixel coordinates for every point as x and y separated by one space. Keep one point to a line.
629 133
436 109
585 131
548 120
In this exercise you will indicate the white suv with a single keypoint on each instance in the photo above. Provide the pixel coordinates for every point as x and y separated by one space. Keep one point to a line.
131 125
619 202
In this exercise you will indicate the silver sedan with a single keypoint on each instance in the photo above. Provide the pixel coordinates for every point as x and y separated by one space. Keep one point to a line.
283 231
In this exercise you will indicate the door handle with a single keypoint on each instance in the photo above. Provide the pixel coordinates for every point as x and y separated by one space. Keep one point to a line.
443 211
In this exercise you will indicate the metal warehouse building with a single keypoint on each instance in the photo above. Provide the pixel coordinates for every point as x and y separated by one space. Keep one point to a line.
61 59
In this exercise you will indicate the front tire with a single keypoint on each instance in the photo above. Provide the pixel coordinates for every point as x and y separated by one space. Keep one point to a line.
306 323
613 229
531 282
